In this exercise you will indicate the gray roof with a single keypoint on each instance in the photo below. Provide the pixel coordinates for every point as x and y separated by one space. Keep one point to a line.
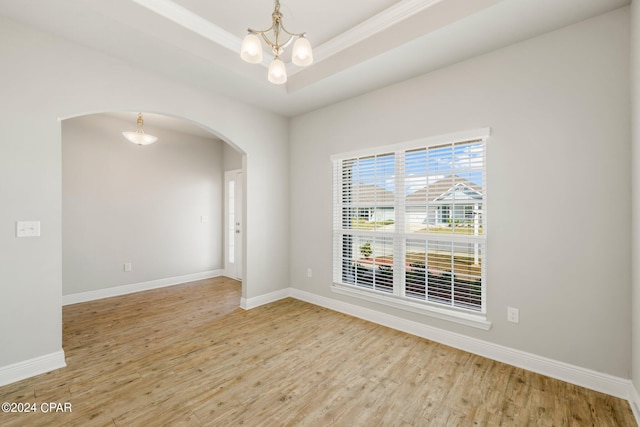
446 189
449 188
371 195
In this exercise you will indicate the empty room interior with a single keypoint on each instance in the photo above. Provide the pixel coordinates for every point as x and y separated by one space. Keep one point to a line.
381 213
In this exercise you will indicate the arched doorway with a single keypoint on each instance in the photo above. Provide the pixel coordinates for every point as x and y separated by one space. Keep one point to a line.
139 217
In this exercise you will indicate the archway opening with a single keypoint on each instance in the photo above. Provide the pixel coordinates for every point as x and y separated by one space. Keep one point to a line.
138 217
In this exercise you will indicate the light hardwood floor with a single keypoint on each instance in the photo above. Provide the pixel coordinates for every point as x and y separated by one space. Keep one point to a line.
187 355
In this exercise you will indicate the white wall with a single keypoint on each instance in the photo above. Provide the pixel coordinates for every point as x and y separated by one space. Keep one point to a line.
231 158
45 78
635 182
124 203
558 185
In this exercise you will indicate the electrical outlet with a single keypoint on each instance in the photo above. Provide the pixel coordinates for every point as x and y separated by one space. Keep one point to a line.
309 272
127 266
513 315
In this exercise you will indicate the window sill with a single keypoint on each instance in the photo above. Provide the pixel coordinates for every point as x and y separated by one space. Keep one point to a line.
468 319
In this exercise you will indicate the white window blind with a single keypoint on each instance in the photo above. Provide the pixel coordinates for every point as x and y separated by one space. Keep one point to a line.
410 223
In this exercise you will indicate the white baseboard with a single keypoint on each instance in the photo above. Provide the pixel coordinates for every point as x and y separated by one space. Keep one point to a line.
604 383
634 402
249 303
137 287
32 367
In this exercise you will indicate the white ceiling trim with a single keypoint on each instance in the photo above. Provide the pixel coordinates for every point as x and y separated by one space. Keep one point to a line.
378 23
192 22
197 24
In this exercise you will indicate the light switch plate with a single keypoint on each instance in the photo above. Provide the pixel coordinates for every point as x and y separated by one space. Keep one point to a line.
27 228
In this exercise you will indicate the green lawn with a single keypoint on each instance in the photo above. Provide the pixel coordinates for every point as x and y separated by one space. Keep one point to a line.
438 262
448 230
363 224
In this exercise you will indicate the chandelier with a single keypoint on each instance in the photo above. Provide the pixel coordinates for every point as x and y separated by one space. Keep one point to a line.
301 54
139 137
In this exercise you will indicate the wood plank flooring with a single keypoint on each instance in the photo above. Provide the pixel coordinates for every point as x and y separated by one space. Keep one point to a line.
188 356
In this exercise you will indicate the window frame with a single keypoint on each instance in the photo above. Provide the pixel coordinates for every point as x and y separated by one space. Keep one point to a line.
400 238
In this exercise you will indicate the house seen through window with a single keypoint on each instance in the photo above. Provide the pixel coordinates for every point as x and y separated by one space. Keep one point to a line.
409 223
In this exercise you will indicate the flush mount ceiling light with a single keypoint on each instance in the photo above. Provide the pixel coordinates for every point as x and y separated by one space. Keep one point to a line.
139 137
251 50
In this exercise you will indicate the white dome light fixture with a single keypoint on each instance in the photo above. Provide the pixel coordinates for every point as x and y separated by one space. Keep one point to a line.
301 54
139 137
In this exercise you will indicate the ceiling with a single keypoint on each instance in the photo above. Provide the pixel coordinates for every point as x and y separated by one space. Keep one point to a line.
154 121
359 45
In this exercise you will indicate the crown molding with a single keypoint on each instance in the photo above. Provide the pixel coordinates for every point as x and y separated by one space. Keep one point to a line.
192 22
374 25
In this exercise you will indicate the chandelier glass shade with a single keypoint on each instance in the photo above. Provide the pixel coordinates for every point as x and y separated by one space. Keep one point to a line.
139 137
277 72
251 50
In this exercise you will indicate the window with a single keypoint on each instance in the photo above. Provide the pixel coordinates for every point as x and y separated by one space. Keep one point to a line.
409 223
